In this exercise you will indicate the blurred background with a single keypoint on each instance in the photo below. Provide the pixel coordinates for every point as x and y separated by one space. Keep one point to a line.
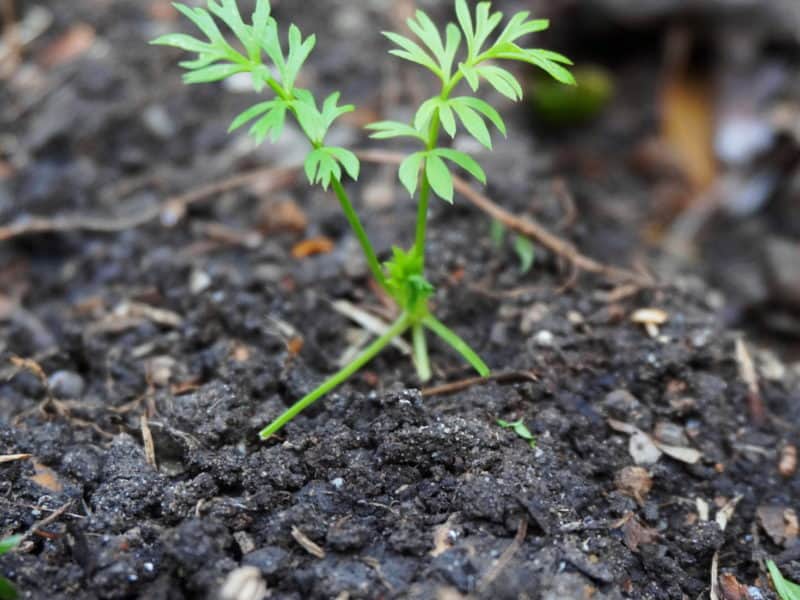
679 146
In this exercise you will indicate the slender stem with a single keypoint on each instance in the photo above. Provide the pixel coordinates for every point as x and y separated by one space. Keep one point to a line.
397 328
422 220
421 359
424 195
459 345
361 233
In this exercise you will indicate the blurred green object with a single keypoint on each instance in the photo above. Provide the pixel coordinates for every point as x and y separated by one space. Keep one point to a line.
572 105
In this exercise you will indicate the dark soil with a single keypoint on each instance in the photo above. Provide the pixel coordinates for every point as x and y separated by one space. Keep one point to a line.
213 332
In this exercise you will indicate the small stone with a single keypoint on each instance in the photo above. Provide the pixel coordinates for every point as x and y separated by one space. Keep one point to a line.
544 339
199 281
160 369
621 404
66 384
671 434
338 483
244 583
158 122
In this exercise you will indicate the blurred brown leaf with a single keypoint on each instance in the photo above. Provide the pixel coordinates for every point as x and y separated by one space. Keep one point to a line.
69 46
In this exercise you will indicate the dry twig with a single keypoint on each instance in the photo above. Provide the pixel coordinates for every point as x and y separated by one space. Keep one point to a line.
525 226
505 557
459 386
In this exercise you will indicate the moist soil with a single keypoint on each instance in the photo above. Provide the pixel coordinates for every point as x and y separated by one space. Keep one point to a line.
199 328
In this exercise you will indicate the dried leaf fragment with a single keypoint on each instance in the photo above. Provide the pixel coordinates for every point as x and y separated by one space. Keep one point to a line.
45 477
635 482
635 533
244 583
307 544
731 589
312 247
779 522
75 42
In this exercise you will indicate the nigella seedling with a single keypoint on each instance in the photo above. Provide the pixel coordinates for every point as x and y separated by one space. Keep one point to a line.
468 52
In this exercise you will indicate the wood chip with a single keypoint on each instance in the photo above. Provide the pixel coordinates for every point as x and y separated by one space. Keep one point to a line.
703 509
787 464
725 513
747 371
307 544
714 593
244 583
147 439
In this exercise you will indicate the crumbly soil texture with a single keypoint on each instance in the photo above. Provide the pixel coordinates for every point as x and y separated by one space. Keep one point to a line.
156 353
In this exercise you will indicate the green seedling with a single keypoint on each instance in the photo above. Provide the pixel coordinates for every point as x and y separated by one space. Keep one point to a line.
520 429
523 247
787 590
7 589
465 53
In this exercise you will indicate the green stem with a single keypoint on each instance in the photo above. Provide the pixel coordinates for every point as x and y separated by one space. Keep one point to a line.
424 195
421 359
422 220
459 345
397 329
361 233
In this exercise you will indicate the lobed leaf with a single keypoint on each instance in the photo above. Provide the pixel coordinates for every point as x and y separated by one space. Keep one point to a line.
347 159
474 124
299 51
213 73
447 118
183 42
439 177
271 124
484 108
412 52
502 81
392 129
409 171
463 160
228 13
519 26
544 60
426 30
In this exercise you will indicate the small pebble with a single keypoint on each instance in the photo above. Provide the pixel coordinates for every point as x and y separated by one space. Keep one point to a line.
544 339
66 384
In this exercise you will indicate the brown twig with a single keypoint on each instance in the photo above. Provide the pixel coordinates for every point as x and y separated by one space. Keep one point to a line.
458 386
524 226
505 557
171 211
53 516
